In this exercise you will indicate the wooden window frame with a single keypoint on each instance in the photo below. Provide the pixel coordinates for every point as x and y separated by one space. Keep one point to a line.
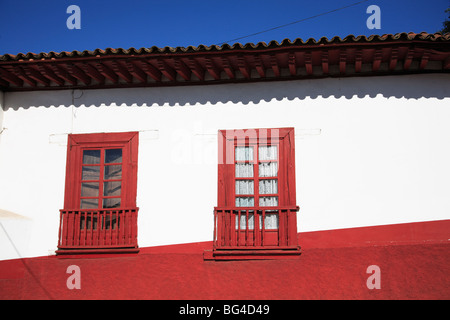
283 137
98 230
231 243
127 141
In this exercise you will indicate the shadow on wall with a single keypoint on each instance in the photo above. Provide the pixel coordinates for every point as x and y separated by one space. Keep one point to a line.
402 86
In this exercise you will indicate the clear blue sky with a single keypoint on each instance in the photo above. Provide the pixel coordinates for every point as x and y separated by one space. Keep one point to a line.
40 26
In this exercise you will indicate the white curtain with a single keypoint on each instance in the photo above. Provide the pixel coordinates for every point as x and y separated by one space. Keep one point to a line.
268 153
268 186
270 221
243 153
244 187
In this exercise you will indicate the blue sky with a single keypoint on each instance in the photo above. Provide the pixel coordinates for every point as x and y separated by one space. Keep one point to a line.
40 26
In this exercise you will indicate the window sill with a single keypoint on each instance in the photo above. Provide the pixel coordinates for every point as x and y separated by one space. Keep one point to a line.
89 251
255 253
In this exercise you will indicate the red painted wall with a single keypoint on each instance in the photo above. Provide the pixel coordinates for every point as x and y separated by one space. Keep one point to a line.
413 259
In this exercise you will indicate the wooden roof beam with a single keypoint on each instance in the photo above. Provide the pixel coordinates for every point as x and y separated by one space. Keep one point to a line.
50 74
274 65
78 73
376 60
424 59
196 68
93 73
308 63
358 61
342 61
182 69
243 67
408 59
4 83
36 75
166 70
212 69
292 64
22 75
150 70
10 77
259 66
119 69
228 68
446 64
325 67
64 74
136 71
393 59
107 72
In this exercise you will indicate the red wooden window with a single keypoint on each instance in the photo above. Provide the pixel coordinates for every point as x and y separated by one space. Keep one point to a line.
256 193
100 196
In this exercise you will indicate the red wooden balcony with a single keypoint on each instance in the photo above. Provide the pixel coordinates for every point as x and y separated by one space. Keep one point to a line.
254 233
98 230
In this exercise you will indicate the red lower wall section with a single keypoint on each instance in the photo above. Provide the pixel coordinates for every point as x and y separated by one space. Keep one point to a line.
413 261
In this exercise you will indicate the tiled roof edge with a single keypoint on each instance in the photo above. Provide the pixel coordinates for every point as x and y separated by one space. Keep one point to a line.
411 36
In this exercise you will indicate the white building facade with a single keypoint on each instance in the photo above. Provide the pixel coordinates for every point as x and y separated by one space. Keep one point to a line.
371 145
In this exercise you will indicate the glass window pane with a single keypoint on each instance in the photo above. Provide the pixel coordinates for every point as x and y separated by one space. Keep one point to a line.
243 223
113 172
268 153
91 156
244 170
89 189
89 204
90 173
243 153
268 201
245 201
244 187
271 221
268 186
268 169
111 203
113 155
112 188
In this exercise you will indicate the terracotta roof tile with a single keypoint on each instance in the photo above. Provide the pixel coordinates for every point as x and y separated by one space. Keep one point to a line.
411 36
286 60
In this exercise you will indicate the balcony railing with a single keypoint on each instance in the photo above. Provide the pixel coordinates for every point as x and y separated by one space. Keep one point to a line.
98 230
255 228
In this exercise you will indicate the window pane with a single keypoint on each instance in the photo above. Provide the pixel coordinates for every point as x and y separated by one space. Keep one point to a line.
112 188
91 156
113 172
268 201
271 221
268 169
268 186
243 222
244 170
243 153
89 204
89 189
111 203
113 156
91 173
245 202
267 153
244 187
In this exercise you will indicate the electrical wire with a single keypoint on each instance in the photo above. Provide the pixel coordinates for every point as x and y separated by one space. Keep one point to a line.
294 22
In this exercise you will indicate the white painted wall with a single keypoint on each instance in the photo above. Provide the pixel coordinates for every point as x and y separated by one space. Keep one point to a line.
369 151
1 113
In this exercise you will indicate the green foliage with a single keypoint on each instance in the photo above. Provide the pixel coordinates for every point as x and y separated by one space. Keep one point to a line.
446 22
